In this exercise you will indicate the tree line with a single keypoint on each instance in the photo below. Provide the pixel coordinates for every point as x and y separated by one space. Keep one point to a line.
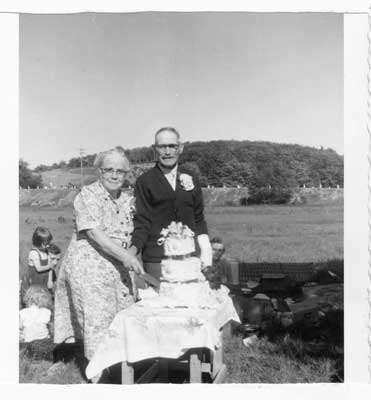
270 170
27 178
267 169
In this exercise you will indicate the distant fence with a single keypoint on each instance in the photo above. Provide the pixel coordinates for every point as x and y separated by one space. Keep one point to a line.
213 197
221 197
317 195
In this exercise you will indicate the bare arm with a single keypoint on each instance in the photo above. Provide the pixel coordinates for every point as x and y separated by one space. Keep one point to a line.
20 322
21 328
34 260
109 247
50 279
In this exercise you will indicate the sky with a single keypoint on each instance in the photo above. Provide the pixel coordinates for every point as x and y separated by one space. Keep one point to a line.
94 81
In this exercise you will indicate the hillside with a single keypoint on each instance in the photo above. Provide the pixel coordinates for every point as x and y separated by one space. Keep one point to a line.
233 163
66 177
262 164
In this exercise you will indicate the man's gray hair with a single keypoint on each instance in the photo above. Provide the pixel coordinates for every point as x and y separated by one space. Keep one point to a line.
118 150
167 129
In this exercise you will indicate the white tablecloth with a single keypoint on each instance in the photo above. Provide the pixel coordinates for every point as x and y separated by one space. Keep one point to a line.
147 329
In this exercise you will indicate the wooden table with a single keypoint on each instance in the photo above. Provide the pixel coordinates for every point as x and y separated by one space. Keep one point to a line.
141 334
196 361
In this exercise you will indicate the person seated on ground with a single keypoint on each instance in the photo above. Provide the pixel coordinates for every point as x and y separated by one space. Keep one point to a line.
217 274
219 261
55 255
34 323
39 262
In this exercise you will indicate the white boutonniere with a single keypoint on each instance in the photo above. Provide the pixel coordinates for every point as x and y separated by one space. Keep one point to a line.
186 182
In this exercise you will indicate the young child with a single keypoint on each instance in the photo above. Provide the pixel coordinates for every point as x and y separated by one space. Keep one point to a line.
54 254
39 262
34 321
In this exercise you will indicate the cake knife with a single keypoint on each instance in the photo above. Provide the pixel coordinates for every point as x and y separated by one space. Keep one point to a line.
151 280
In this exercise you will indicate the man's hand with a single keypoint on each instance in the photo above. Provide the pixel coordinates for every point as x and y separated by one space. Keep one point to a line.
215 285
212 275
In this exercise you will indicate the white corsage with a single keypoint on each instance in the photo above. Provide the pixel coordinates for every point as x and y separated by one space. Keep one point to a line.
130 208
186 182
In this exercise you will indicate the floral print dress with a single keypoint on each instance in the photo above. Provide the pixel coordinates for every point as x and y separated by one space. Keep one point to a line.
92 287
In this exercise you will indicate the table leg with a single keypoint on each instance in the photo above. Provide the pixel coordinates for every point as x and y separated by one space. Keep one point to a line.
220 377
195 370
163 366
217 358
127 374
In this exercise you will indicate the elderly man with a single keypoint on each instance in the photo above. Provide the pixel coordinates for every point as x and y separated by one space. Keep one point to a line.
165 194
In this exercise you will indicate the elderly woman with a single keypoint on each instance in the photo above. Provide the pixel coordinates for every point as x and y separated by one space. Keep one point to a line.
94 282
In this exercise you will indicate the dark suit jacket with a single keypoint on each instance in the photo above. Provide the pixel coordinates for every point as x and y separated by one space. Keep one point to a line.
157 205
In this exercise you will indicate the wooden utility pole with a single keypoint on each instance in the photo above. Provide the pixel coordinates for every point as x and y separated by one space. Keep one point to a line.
81 151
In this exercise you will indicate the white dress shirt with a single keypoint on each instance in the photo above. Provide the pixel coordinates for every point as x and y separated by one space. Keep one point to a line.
171 177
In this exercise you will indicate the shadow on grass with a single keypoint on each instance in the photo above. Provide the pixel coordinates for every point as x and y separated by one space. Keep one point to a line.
324 339
308 342
312 343
62 364
71 352
300 355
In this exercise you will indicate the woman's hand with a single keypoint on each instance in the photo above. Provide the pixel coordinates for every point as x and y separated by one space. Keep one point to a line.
133 264
132 250
110 247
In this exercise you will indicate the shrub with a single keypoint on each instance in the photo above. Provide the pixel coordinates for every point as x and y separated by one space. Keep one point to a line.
244 201
61 219
274 195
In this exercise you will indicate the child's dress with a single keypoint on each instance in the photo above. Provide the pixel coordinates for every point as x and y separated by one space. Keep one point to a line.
35 277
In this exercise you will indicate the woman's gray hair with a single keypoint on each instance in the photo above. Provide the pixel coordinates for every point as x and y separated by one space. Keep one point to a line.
118 150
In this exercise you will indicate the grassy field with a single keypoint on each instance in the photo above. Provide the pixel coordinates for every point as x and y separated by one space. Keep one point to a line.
251 234
282 359
304 354
285 233
306 233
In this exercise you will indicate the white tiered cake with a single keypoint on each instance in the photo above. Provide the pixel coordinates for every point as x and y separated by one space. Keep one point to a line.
182 282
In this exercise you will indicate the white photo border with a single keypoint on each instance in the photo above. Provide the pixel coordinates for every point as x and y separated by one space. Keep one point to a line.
357 351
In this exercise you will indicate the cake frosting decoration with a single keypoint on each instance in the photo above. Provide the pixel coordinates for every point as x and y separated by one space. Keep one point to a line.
182 283
178 240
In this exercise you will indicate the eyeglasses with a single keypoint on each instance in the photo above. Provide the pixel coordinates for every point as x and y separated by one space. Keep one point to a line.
171 146
111 171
